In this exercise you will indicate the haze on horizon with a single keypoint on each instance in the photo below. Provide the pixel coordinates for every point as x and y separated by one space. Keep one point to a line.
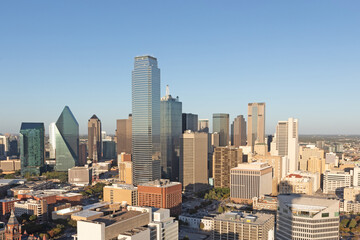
301 58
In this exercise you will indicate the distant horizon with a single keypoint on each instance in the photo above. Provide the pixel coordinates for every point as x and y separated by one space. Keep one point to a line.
216 56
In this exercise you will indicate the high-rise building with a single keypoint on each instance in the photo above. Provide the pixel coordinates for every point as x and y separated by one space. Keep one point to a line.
109 149
52 140
221 126
194 161
287 142
94 138
249 180
3 145
161 194
146 119
67 141
32 148
203 125
256 124
239 131
189 122
224 159
121 193
304 217
82 154
125 166
170 133
336 181
124 135
306 153
80 176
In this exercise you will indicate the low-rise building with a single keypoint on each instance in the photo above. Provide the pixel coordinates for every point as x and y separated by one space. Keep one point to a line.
164 225
80 176
195 221
295 183
121 193
352 194
32 207
336 181
265 203
6 205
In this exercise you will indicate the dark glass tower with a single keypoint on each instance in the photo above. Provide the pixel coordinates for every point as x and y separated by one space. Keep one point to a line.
32 147
67 141
189 122
171 131
146 120
221 125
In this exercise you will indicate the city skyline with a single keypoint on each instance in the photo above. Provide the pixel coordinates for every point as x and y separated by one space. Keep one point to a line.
306 68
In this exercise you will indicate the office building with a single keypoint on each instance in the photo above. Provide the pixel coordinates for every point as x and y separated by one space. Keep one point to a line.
221 126
170 133
3 145
306 153
161 194
304 217
38 208
316 164
94 139
297 184
336 181
215 139
356 179
241 225
331 158
124 135
109 149
67 141
203 125
352 194
189 122
194 161
224 159
287 142
82 154
165 226
249 180
256 124
52 140
239 135
80 176
32 148
121 193
125 166
146 120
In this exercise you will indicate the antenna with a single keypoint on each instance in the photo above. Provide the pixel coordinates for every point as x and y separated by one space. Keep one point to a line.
167 90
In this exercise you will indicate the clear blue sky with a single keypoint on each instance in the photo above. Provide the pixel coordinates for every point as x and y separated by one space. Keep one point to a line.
300 57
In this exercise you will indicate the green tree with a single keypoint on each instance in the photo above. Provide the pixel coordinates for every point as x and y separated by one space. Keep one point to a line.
220 209
352 223
32 218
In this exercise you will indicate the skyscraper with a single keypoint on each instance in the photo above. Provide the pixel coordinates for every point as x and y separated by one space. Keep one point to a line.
239 131
171 130
94 138
194 161
221 126
287 142
124 135
67 141
203 125
146 119
32 148
189 122
52 140
256 124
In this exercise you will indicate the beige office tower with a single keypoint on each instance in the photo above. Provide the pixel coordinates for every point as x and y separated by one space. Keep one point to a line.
215 139
315 165
124 135
287 142
305 217
249 180
125 166
277 173
194 161
305 154
241 225
121 193
94 138
224 159
239 131
203 125
256 124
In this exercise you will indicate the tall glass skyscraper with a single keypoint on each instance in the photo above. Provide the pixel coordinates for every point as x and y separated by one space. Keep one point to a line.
256 124
67 141
171 131
221 126
146 119
32 148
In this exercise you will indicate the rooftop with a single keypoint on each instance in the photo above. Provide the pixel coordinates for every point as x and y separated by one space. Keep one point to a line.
244 217
160 183
86 213
122 186
117 217
252 166
306 202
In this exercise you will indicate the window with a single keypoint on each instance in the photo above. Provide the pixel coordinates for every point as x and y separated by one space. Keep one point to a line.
325 215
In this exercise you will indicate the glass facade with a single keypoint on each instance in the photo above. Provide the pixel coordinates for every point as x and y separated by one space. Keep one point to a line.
67 141
221 126
32 148
109 150
146 120
171 130
189 122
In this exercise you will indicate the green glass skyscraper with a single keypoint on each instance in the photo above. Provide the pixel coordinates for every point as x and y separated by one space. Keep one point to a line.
32 147
146 120
171 131
67 141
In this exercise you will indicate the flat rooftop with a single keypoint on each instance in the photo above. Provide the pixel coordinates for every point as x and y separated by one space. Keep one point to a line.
160 183
256 218
117 217
122 186
306 202
252 166
96 205
87 213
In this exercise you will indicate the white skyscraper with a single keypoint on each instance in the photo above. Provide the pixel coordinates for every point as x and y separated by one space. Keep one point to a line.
52 140
287 142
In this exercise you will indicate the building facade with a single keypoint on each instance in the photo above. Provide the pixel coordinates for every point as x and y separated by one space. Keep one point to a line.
124 135
121 193
239 138
221 126
146 119
32 148
94 139
256 124
189 122
224 159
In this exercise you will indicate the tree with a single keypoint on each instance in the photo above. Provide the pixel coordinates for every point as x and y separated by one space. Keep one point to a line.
32 218
352 223
220 209
186 238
